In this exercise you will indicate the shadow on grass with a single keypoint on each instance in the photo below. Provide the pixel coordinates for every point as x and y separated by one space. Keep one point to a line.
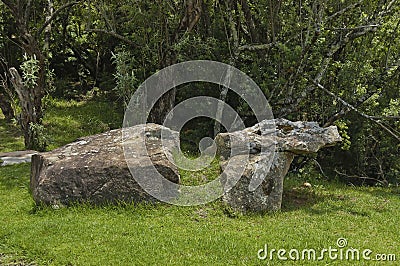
337 198
387 192
296 198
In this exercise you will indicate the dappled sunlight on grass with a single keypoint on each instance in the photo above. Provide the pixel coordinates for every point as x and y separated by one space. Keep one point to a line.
67 121
201 177
11 138
337 198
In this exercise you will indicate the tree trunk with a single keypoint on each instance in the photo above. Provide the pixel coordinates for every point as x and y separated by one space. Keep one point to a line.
192 14
31 98
274 8
249 21
29 40
32 112
47 31
167 101
29 115
230 6
162 107
6 107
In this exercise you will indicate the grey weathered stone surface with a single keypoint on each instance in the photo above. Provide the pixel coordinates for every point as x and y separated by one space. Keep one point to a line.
259 142
16 157
94 170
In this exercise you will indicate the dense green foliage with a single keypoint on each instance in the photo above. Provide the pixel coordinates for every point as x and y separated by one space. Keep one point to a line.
334 62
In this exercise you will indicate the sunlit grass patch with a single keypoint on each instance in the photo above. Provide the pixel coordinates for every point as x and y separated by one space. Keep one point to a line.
11 137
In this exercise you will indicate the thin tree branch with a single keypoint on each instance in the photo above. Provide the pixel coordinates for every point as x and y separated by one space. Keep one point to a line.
113 34
54 15
28 10
11 6
340 12
335 47
385 117
103 13
371 118
355 28
346 110
249 20
384 182
388 8
256 47
320 168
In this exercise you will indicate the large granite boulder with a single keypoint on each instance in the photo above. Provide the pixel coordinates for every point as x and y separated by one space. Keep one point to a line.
269 148
95 169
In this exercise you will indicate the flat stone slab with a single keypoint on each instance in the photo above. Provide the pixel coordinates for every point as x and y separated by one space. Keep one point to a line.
271 146
16 157
94 169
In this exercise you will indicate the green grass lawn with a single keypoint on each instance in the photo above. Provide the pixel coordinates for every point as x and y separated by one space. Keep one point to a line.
11 138
67 121
368 218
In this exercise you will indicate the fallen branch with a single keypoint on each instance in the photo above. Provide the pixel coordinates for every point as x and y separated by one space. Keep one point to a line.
364 178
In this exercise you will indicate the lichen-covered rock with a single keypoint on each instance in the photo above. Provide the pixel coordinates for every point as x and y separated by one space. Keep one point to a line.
270 147
95 170
268 195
